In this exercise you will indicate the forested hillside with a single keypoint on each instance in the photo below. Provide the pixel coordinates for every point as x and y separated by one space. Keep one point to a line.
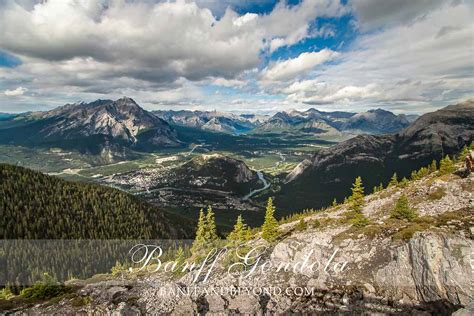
37 206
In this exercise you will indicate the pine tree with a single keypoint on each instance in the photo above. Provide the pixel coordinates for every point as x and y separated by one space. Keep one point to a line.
357 201
270 224
463 154
393 181
359 220
200 233
433 166
240 231
446 165
404 182
402 210
302 225
414 175
423 172
334 202
211 230
380 187
180 256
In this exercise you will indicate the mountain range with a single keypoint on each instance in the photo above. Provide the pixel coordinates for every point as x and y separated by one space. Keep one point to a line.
114 130
331 171
333 123
223 122
311 121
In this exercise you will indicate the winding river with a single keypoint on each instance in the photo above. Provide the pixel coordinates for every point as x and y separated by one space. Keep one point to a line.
266 185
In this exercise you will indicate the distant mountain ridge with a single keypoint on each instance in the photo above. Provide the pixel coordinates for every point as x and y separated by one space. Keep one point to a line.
216 121
375 158
6 116
376 121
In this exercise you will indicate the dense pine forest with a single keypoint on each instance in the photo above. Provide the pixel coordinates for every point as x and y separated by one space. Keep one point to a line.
37 206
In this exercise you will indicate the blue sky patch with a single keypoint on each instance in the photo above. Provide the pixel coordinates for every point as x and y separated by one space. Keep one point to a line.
9 61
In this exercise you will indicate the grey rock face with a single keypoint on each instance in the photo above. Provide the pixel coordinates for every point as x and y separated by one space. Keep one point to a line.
467 311
430 267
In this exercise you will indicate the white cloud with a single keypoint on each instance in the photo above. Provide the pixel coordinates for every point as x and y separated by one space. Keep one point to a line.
289 69
156 42
427 61
318 92
16 92
86 48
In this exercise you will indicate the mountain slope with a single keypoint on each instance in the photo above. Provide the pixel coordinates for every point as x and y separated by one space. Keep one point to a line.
103 127
37 206
217 172
331 171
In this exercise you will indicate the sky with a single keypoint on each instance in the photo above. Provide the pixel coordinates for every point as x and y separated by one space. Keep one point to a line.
238 55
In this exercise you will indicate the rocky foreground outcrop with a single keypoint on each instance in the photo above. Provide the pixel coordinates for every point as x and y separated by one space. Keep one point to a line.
419 267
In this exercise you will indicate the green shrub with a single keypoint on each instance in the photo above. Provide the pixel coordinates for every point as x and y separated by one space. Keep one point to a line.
446 166
356 219
118 269
438 194
45 289
315 223
6 294
408 232
302 225
360 221
402 210
79 301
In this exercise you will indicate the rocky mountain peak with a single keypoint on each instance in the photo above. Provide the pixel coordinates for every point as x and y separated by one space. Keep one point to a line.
380 111
103 127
